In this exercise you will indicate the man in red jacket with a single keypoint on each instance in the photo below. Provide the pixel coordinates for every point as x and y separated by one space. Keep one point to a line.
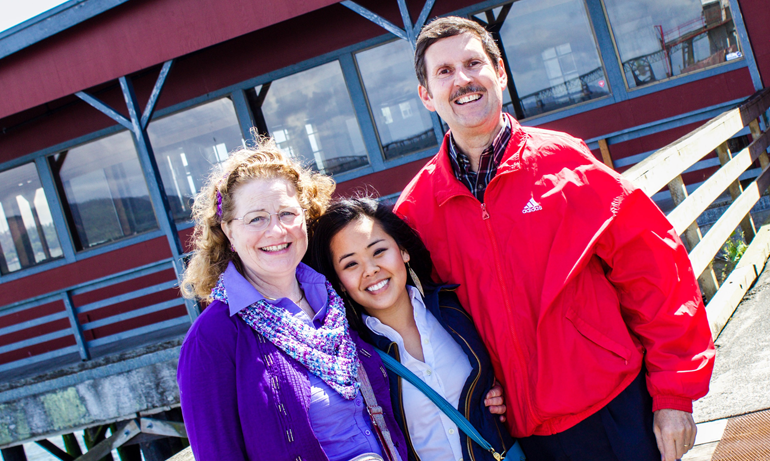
579 286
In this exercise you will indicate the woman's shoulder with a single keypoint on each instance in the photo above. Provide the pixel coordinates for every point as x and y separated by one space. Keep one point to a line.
213 327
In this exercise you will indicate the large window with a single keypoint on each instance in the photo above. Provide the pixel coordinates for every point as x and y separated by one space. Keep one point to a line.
105 190
27 234
188 144
551 52
657 40
310 115
403 124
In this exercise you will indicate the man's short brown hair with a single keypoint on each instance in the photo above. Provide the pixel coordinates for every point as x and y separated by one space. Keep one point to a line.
449 27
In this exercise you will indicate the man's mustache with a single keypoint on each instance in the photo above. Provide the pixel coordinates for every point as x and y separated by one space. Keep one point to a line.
468 89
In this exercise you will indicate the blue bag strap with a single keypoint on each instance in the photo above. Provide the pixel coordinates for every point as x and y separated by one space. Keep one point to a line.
513 454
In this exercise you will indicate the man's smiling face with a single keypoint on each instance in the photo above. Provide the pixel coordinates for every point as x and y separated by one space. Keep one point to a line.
464 87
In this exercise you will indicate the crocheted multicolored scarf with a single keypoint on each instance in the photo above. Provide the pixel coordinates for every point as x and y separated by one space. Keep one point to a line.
328 352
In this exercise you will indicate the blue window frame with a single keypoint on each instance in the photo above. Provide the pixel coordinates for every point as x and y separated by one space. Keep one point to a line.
27 233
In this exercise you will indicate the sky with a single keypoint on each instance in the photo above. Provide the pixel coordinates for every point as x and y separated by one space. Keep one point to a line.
14 12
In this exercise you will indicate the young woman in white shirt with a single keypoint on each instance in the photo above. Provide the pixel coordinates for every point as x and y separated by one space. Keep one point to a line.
380 266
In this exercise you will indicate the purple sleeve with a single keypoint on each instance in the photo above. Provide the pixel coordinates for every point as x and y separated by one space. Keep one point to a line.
207 389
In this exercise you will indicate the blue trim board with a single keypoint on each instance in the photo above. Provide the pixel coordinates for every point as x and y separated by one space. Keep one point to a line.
377 19
120 277
53 200
156 89
55 149
133 314
664 124
35 340
606 48
87 286
39 358
51 22
33 323
243 114
633 159
687 78
139 331
150 166
105 109
126 296
29 303
46 266
743 36
361 107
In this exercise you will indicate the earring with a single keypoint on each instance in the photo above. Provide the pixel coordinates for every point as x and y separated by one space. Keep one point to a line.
232 248
415 279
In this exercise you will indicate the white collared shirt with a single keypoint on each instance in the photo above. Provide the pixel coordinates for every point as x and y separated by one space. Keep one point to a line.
446 368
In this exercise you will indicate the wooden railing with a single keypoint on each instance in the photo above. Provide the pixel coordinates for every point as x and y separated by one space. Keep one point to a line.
97 317
665 168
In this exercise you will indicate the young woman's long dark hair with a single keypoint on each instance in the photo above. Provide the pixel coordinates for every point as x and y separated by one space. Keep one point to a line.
341 213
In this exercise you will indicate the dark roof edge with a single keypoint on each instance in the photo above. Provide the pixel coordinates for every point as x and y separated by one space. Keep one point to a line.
51 22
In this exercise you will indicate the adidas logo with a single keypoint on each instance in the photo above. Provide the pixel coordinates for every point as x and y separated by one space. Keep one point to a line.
531 206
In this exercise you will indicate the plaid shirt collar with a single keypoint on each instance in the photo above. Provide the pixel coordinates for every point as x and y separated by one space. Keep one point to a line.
477 182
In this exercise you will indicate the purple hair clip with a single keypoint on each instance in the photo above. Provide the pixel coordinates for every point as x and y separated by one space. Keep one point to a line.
219 205
219 196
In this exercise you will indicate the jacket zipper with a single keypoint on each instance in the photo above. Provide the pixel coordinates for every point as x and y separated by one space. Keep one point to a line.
470 392
401 406
506 298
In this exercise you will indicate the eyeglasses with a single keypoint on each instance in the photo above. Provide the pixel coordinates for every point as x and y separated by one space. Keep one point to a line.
260 220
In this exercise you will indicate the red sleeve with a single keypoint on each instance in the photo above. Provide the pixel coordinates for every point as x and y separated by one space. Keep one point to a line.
660 301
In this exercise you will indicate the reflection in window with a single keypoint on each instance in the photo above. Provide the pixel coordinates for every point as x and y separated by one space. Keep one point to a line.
311 117
551 52
659 40
188 144
105 189
27 233
403 124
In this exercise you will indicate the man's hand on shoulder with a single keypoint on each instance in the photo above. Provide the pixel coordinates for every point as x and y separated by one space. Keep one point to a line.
674 432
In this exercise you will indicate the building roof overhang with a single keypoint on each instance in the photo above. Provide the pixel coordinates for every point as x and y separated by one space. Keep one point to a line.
84 43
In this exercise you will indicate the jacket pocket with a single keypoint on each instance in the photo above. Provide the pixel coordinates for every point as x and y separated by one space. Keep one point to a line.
597 337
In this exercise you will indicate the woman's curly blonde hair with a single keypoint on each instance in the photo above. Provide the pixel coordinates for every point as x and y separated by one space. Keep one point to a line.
212 252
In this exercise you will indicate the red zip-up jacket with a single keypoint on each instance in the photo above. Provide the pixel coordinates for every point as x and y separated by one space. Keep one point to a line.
572 276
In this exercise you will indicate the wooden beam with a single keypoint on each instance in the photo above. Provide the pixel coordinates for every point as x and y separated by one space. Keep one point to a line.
756 133
14 453
121 436
692 236
48 446
606 157
688 210
702 254
184 455
71 445
721 307
165 428
755 106
653 173
735 188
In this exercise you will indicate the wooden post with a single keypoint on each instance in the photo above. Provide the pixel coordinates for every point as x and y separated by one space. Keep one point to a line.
93 435
606 157
127 452
756 132
747 224
71 445
692 236
14 453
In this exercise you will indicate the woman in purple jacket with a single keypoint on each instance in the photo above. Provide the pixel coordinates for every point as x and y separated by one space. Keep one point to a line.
270 371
